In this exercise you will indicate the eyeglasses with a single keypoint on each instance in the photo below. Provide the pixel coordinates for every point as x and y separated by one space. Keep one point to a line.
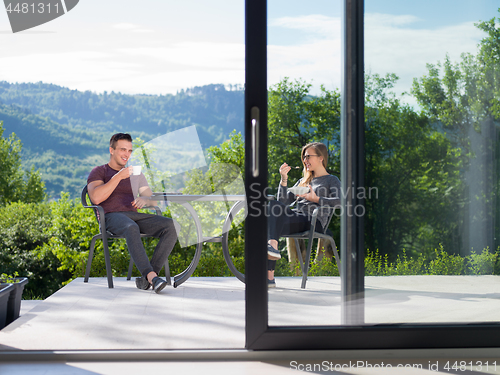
306 157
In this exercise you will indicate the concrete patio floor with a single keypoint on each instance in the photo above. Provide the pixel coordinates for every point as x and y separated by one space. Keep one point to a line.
208 313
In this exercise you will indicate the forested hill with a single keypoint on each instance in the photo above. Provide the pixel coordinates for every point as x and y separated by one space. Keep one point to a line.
66 132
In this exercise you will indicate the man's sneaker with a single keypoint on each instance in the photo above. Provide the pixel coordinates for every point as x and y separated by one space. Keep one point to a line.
158 284
271 283
142 283
272 253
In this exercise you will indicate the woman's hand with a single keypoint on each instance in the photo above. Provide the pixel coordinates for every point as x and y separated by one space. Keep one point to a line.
284 169
310 196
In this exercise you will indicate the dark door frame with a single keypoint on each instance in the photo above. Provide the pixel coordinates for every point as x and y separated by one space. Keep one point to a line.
352 334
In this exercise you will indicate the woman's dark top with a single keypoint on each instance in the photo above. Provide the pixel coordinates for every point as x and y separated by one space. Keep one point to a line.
326 187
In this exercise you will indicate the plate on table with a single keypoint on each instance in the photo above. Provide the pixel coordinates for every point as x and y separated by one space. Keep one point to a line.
299 190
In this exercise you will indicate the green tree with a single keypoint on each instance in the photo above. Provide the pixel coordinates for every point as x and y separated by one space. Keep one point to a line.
415 170
23 228
224 176
15 183
231 151
297 118
463 101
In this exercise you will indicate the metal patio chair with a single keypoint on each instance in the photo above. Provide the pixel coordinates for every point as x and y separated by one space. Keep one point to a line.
105 236
310 235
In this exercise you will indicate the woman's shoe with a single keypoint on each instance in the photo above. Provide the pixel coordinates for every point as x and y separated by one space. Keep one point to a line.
271 283
272 253
142 283
158 284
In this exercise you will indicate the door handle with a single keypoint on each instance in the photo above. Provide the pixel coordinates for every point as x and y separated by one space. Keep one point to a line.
255 115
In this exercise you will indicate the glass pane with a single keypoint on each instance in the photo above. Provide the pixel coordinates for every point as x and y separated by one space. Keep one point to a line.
431 218
304 106
151 69
431 161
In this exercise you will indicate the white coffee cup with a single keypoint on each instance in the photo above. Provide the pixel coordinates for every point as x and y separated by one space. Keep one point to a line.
136 170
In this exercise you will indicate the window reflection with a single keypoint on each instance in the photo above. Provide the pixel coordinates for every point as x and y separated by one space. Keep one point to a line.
431 121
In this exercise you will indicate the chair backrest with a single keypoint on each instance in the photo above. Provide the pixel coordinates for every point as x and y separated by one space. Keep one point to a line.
84 196
85 203
330 216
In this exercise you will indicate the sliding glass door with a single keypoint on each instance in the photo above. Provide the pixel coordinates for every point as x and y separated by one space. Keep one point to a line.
415 141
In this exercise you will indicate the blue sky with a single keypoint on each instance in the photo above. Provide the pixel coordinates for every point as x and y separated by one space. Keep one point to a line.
433 13
162 46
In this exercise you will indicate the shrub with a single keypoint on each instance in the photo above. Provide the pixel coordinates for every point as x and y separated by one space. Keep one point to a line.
379 265
408 266
74 227
49 243
23 228
324 267
481 264
375 263
446 264
212 262
284 268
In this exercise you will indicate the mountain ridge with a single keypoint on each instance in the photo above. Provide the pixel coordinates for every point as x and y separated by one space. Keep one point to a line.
66 132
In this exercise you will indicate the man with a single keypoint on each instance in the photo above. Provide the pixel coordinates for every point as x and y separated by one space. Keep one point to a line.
109 186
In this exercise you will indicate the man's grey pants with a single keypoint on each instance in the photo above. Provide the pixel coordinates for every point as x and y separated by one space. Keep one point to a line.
131 224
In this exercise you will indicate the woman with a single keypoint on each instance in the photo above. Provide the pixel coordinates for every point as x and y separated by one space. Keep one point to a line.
324 190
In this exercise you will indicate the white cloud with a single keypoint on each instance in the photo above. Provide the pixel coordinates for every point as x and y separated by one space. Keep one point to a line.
131 27
70 69
393 44
316 24
125 26
318 62
121 57
208 55
406 51
132 70
389 20
167 81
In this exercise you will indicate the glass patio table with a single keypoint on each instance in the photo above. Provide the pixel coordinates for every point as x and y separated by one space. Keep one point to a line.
186 200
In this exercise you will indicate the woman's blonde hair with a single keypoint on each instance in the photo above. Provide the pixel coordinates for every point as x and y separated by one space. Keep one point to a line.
320 150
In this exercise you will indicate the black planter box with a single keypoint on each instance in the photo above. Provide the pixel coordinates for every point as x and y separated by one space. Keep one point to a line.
16 294
5 290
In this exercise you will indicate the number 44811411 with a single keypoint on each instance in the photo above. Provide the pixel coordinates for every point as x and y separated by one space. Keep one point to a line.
33 8
471 366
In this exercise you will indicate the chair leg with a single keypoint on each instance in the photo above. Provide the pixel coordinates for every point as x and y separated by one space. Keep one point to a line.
107 259
299 255
130 267
89 261
336 253
167 273
306 263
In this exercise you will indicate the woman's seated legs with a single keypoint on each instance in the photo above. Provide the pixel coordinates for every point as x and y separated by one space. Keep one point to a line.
281 221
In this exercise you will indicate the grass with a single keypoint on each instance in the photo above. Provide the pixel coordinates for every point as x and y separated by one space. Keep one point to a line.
377 264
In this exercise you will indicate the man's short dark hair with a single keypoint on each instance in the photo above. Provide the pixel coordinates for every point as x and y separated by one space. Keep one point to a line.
118 136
